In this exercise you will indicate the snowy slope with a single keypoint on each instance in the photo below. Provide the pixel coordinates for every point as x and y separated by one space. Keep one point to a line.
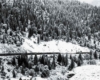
52 46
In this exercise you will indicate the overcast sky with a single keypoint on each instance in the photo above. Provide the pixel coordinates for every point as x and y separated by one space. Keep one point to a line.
93 2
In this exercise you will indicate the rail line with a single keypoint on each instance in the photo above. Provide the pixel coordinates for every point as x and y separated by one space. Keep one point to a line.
38 53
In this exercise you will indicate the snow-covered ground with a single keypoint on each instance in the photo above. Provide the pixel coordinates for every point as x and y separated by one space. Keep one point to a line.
89 72
52 46
5 48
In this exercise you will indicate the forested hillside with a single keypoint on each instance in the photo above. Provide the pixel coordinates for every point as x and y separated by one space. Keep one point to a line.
52 19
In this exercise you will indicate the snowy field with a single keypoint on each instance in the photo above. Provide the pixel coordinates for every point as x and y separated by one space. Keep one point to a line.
89 72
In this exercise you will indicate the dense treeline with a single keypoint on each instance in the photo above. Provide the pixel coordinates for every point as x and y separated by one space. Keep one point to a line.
51 19
44 64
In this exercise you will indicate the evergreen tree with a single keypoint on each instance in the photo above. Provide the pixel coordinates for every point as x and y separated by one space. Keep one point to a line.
71 57
26 60
23 70
29 64
63 61
35 60
19 61
46 60
42 59
59 59
72 65
53 62
91 55
0 61
66 60
79 63
23 65
95 55
0 5
99 56
20 79
30 32
36 69
80 57
75 59
80 60
2 69
49 65
14 74
38 39
13 61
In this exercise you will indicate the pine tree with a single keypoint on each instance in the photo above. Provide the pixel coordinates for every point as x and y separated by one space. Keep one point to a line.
19 61
95 55
72 65
29 64
75 59
36 69
2 69
42 59
0 5
14 74
99 56
49 65
80 60
30 32
79 63
0 61
35 60
38 39
66 60
13 61
91 55
53 62
59 58
23 70
20 79
26 61
63 61
80 57
46 60
71 57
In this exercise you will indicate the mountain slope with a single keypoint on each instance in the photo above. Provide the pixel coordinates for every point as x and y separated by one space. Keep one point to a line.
51 19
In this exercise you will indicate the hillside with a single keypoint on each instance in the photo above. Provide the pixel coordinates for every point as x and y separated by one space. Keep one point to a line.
51 19
65 26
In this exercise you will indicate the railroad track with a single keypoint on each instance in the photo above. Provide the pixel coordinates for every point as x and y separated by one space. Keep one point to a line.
38 53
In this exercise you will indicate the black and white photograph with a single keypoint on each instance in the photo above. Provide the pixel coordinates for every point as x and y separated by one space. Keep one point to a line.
49 39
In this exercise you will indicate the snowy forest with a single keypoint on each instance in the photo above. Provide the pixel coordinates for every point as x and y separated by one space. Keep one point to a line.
65 26
55 19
